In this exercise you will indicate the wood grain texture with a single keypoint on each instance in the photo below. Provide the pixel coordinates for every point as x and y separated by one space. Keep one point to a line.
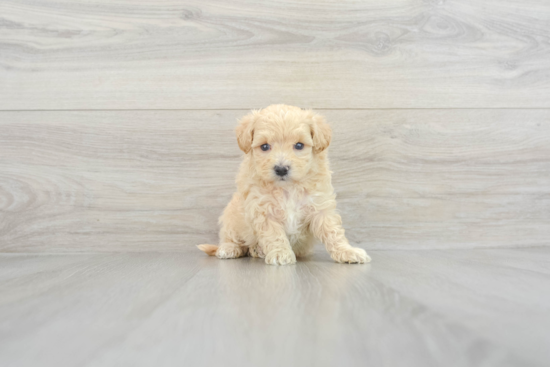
407 308
158 180
165 54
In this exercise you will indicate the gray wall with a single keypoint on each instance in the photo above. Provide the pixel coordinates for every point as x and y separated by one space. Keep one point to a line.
116 118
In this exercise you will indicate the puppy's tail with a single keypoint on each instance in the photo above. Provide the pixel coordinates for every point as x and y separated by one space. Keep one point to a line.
209 249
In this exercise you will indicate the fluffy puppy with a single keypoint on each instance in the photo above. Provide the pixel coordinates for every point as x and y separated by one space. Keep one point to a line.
284 200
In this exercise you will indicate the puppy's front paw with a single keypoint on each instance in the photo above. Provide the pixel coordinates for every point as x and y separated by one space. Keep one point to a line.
350 255
280 257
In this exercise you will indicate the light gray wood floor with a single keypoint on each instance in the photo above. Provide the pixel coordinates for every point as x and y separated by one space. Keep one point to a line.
407 308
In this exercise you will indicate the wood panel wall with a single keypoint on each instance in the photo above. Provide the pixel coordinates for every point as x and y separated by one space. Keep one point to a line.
117 117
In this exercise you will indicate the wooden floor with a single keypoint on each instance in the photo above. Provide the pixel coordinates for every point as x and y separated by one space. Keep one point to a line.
406 308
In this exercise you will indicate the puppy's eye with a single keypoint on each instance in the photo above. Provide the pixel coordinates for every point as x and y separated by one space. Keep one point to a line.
265 147
299 146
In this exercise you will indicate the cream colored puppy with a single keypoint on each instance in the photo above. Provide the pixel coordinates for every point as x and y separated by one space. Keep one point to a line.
284 199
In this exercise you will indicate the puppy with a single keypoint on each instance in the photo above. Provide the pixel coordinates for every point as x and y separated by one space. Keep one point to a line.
284 200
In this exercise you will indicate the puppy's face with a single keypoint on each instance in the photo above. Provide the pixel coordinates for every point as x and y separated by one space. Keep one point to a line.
282 151
283 142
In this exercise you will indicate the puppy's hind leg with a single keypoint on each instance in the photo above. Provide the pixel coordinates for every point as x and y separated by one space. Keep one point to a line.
230 250
256 251
226 250
304 247
210 250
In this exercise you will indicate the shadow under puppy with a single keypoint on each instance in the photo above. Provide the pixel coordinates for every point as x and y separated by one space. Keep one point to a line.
284 200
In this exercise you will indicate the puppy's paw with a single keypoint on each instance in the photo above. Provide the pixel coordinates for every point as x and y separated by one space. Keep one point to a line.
350 255
280 257
230 251
256 251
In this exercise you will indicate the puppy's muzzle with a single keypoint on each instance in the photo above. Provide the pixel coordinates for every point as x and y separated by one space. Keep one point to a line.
281 171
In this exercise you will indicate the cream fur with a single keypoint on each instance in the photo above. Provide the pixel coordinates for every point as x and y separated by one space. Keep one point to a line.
279 219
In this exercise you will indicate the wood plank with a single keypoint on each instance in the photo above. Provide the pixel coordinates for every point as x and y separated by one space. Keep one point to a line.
436 307
493 274
164 54
158 180
35 302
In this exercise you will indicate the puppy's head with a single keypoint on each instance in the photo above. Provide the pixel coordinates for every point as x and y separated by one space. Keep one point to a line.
284 142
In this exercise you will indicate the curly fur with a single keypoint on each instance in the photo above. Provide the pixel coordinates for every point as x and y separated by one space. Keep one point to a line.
278 218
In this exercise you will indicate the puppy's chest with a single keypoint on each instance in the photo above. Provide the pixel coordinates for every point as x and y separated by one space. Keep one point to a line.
295 207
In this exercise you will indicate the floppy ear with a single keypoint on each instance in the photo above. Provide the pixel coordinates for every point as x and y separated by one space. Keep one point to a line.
245 132
320 133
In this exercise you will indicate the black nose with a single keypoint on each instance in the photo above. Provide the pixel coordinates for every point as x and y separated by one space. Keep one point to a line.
281 170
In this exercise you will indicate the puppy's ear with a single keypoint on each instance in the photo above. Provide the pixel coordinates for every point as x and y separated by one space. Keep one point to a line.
320 133
245 132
